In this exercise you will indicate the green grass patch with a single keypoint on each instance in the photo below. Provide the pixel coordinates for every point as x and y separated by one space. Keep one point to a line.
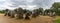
57 20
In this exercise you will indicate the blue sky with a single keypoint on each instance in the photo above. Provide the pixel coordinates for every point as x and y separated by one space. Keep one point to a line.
26 4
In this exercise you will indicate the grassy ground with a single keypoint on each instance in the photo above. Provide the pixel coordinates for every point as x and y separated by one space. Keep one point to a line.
57 21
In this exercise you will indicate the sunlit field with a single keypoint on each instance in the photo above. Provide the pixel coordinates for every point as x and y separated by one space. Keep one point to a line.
39 19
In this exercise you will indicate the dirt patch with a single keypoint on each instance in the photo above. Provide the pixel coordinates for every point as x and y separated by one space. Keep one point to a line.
40 19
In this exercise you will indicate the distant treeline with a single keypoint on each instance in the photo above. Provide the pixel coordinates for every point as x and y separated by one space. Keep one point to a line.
2 11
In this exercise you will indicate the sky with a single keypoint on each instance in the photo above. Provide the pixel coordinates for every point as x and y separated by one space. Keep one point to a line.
26 4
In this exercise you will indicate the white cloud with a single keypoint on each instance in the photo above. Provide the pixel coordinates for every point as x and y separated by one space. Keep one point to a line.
12 4
57 0
2 0
28 7
30 0
6 5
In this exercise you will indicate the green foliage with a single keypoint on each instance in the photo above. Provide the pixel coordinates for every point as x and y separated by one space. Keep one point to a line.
56 8
56 5
57 12
57 21
1 11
